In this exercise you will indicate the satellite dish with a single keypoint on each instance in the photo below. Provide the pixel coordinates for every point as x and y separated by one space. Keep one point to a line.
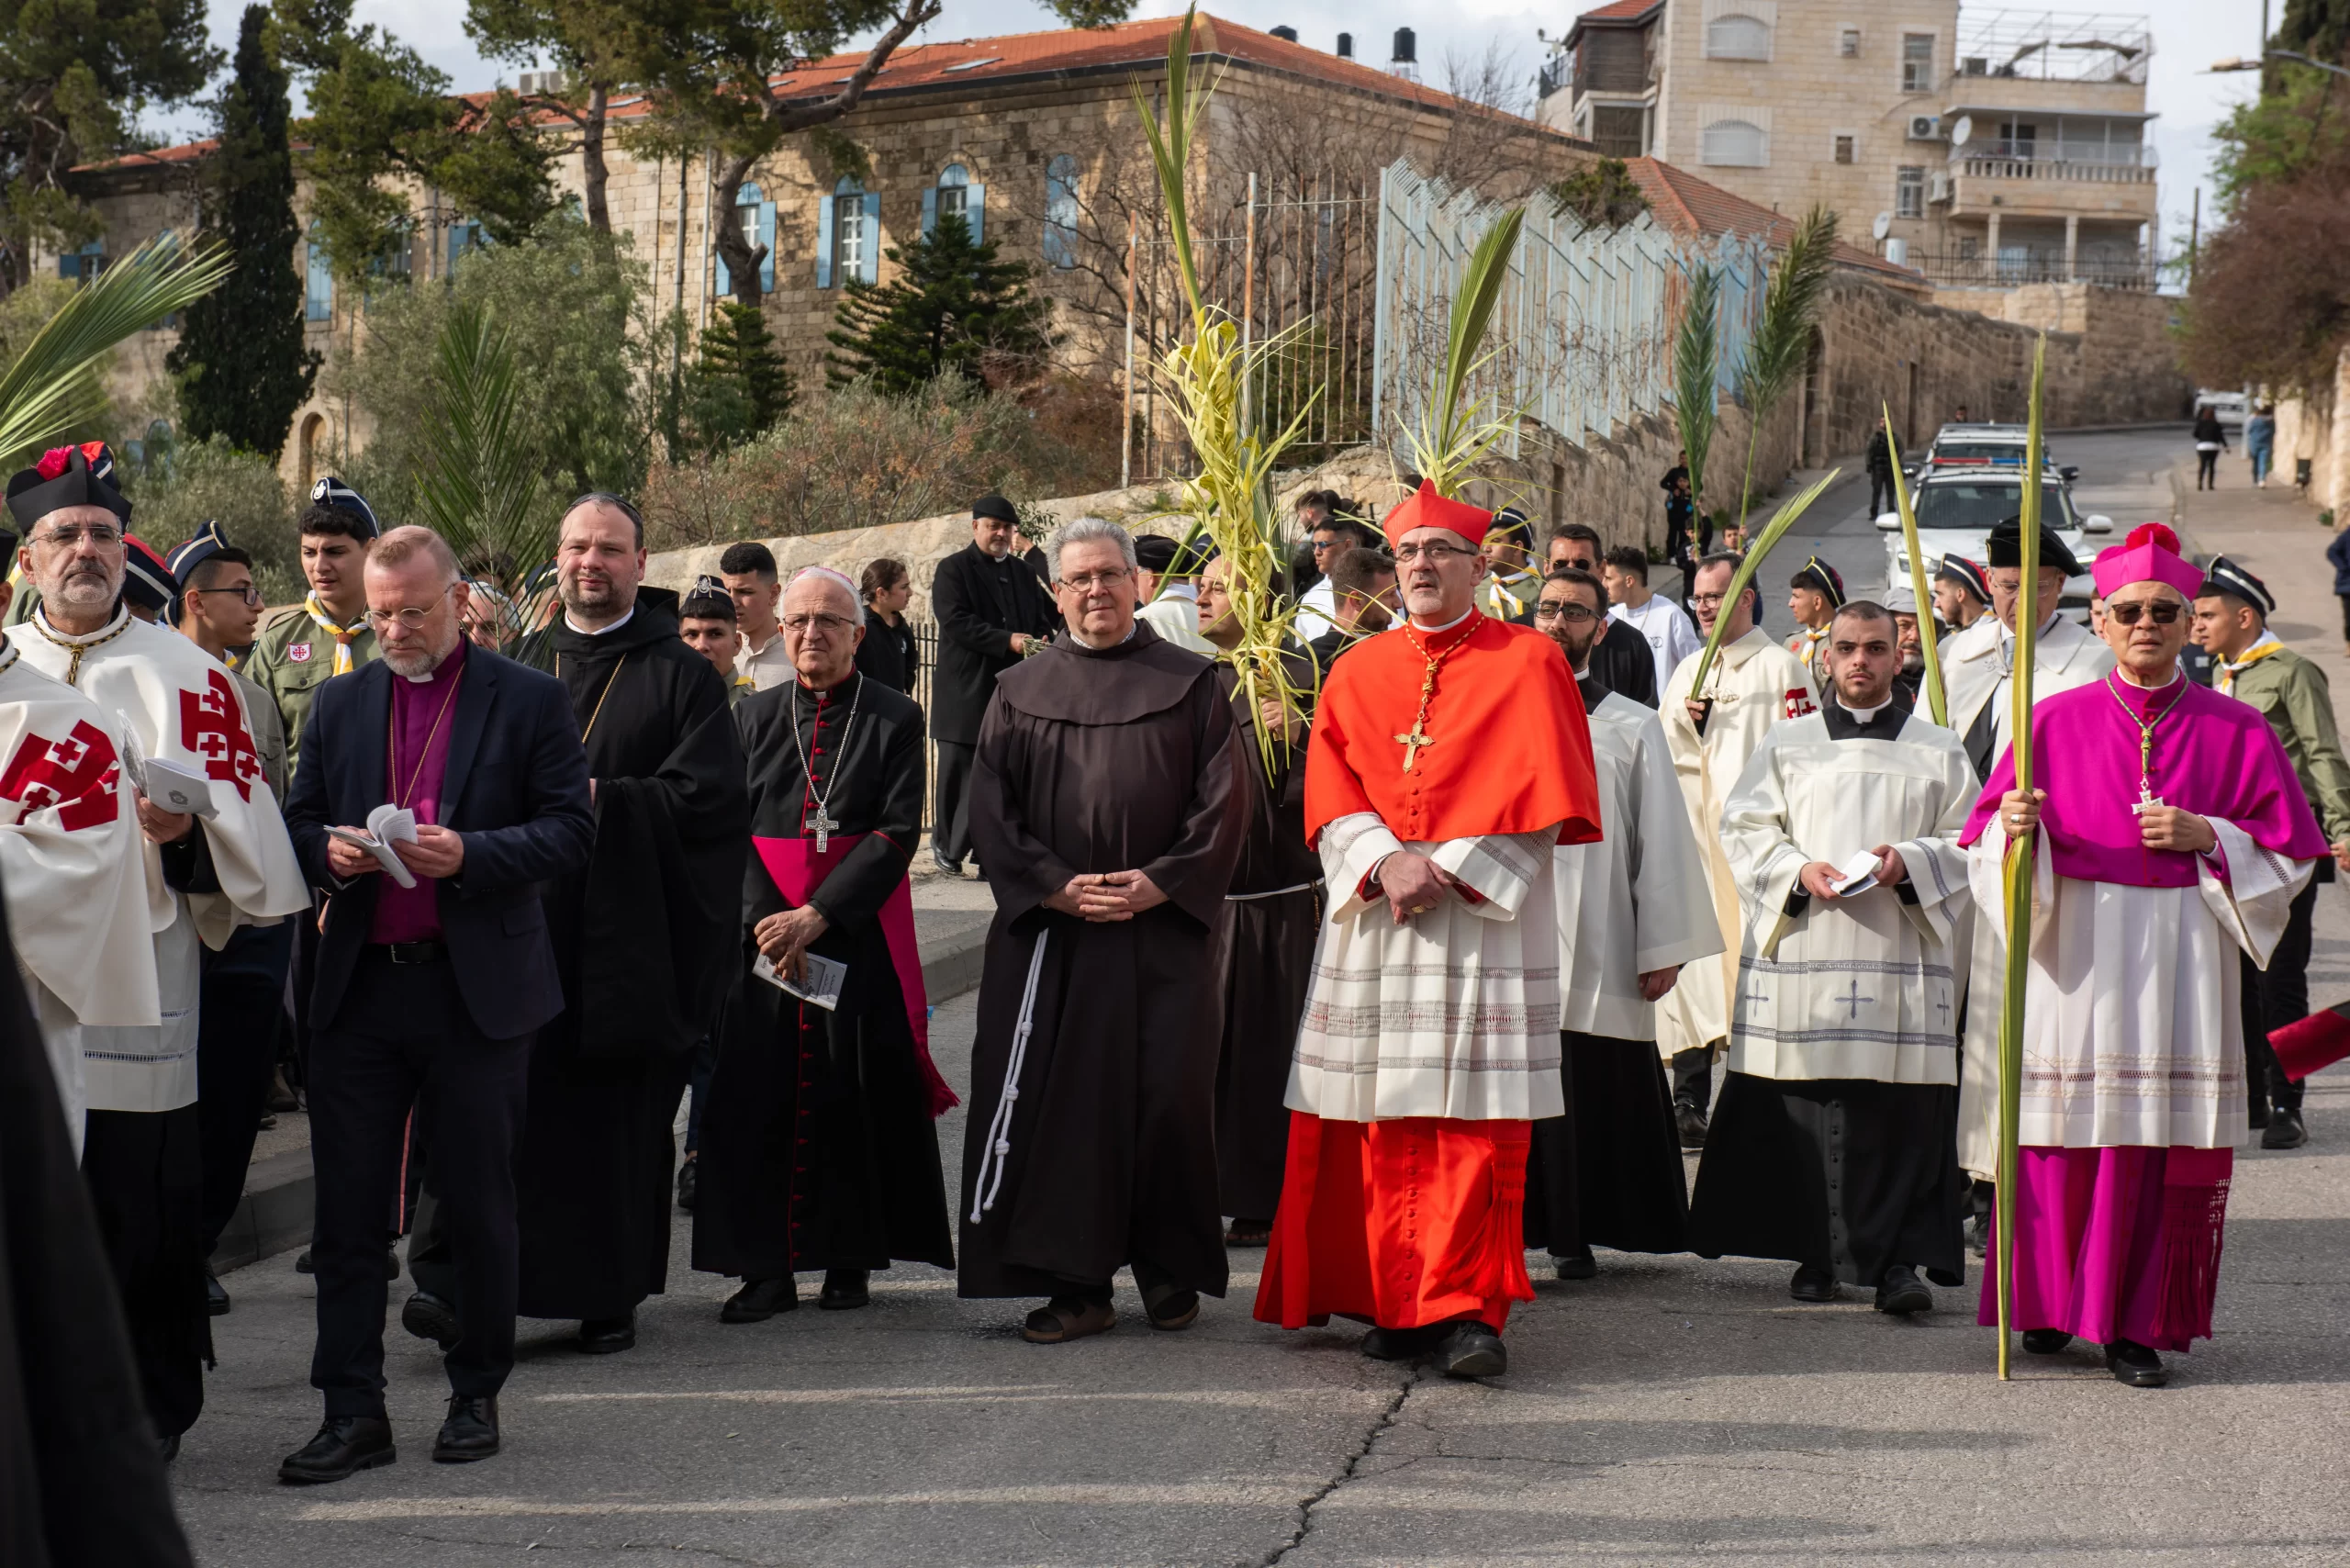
1882 226
1963 131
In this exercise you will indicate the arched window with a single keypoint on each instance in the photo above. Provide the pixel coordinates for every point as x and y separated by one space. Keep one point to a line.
1734 143
1736 37
848 235
755 216
1061 211
956 193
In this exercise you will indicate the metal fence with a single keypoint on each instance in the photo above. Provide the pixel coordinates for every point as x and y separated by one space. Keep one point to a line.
1582 340
2035 264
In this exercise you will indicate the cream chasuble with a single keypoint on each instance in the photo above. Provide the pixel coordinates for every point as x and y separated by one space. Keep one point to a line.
1867 986
1754 683
1638 900
71 864
1977 663
174 700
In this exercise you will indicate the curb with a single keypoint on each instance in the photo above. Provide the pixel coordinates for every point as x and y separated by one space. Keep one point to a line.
274 1215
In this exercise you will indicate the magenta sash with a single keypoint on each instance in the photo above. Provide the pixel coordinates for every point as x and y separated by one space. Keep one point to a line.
798 871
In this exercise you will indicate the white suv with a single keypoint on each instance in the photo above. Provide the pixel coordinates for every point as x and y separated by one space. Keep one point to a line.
1957 508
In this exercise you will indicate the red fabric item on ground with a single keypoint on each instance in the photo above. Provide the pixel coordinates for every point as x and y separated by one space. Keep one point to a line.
1401 1224
2116 1243
2317 1041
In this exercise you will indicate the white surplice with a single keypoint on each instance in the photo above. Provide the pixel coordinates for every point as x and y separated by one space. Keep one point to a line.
1977 664
1453 1014
174 700
2131 1033
71 864
1866 985
1638 899
1754 683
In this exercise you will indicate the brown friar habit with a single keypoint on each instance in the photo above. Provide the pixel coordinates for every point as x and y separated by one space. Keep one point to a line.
1264 957
80 1482
818 1150
644 941
1110 759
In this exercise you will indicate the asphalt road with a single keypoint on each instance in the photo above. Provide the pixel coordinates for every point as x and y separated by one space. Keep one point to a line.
1672 1410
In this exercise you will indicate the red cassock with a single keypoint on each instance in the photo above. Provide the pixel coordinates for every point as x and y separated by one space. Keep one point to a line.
1416 1220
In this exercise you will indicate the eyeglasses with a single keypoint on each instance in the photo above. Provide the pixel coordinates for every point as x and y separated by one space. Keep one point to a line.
1086 582
245 591
106 536
1707 598
821 622
1438 553
412 617
1573 614
2165 611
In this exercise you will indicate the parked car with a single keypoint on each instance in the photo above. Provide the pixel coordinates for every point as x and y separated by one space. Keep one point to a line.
2231 406
1980 446
1958 507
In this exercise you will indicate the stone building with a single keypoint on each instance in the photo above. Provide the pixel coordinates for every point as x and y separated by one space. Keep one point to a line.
1986 148
1033 138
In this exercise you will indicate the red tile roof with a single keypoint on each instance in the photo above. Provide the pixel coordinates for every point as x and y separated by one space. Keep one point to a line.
1617 12
1689 206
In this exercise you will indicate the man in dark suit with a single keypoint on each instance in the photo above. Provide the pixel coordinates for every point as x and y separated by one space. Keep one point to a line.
990 608
427 996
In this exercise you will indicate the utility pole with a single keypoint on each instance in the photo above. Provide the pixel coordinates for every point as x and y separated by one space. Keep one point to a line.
2194 238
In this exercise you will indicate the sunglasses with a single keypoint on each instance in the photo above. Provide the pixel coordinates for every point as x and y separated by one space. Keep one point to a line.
2163 611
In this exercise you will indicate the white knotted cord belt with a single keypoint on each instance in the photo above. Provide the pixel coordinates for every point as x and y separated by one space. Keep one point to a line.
999 1145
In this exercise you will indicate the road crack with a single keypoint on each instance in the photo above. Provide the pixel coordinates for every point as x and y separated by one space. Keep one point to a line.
1379 1426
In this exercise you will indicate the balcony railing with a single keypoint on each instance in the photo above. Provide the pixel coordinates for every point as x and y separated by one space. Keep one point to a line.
2062 149
2031 264
2057 169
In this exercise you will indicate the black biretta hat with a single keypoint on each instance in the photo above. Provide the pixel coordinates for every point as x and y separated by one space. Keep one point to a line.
67 477
2005 548
2223 576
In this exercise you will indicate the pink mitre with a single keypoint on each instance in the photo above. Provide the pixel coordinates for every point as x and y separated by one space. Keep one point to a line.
2149 556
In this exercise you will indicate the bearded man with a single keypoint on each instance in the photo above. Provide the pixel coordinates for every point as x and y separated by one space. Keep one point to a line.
1447 758
224 864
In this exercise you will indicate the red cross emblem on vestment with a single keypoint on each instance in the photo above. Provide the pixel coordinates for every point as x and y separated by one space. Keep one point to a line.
211 727
80 776
1798 703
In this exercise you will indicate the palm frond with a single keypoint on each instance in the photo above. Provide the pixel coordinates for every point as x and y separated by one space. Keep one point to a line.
1781 346
1170 147
2021 860
1928 643
476 485
1457 428
44 392
1696 371
1772 531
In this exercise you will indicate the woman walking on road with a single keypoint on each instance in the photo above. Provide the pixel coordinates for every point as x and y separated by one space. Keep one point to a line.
2338 553
2260 442
2211 440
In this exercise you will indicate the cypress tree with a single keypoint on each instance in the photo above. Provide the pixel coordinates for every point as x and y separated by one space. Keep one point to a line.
240 363
739 387
954 307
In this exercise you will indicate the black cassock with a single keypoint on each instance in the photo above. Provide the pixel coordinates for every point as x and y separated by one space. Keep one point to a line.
1264 959
818 1147
644 941
1121 758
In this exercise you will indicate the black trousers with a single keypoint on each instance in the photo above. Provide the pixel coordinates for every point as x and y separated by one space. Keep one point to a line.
404 1038
2273 998
241 1018
950 808
146 1183
2207 466
1693 1077
1880 493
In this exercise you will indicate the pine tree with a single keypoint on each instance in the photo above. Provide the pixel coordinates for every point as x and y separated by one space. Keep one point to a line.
953 308
739 386
240 364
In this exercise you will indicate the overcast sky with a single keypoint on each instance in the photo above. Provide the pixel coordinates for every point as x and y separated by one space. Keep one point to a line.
2188 35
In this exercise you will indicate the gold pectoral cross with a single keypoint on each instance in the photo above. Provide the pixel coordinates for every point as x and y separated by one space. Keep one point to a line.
1417 738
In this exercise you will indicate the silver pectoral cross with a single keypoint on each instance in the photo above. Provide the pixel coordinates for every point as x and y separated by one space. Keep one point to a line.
825 827
2146 799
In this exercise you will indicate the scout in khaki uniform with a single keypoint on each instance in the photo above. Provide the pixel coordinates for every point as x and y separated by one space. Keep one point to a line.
327 636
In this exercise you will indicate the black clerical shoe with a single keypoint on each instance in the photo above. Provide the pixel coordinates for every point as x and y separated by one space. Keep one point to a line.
1901 1292
688 1184
427 1317
759 1300
1471 1350
1578 1264
345 1446
603 1336
2284 1129
845 1291
2135 1365
1691 1120
470 1432
1403 1344
1813 1285
2046 1341
216 1296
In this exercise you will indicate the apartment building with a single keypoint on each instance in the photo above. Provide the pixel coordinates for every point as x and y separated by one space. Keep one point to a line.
1985 148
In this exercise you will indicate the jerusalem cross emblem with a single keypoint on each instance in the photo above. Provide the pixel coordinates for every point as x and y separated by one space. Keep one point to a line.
79 775
211 727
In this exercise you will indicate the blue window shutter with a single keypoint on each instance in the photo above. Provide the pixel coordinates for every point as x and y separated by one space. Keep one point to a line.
929 209
723 281
869 262
824 241
766 237
975 213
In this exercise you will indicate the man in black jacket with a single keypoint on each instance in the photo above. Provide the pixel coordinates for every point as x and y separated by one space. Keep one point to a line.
990 608
1880 468
426 995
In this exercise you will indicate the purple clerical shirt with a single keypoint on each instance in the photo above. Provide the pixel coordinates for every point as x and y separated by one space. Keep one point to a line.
424 713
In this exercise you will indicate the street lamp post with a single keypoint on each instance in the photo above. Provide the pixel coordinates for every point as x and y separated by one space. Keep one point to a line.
2252 63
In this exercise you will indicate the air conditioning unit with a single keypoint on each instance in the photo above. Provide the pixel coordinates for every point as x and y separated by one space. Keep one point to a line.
548 83
1975 65
1925 127
1938 187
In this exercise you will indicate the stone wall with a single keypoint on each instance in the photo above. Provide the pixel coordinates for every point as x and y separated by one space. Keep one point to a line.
2318 429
